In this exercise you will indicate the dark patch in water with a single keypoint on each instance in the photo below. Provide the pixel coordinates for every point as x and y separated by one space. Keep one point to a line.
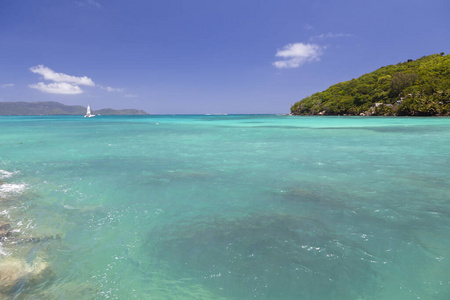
275 256
387 129
298 195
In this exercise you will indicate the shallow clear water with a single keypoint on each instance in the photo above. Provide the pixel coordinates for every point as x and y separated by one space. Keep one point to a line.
226 207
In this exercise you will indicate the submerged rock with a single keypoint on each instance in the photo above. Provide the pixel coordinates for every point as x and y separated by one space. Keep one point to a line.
26 269
14 238
178 174
69 290
4 230
298 194
15 271
36 240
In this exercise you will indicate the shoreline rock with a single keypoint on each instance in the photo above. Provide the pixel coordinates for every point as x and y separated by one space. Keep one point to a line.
14 271
4 230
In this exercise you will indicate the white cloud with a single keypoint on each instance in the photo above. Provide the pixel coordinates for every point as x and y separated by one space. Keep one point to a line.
295 55
61 77
57 88
64 84
330 35
89 3
111 89
6 85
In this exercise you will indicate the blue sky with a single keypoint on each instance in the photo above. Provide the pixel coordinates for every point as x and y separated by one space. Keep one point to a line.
210 56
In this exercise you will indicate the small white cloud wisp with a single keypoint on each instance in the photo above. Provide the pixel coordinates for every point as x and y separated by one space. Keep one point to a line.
111 89
330 35
6 85
89 3
295 55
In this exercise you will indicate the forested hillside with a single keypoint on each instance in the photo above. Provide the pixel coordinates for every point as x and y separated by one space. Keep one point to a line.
413 88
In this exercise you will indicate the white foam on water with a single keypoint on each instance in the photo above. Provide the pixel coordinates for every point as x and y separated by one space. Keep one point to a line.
12 188
3 252
5 174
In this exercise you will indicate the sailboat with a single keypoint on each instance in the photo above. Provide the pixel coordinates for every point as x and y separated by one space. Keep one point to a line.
88 112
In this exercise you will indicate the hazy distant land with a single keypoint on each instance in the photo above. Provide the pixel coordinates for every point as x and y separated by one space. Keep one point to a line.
55 108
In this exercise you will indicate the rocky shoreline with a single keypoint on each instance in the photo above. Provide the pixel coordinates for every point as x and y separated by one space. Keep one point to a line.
25 261
27 269
18 269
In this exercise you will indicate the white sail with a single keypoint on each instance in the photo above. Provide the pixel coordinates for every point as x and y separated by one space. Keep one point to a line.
88 112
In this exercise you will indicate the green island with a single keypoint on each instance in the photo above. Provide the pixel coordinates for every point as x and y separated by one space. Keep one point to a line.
413 88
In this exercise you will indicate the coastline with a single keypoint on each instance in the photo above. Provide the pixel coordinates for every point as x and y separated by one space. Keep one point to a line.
26 266
17 241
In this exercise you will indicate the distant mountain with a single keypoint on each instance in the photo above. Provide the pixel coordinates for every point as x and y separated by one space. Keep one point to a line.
55 108
413 88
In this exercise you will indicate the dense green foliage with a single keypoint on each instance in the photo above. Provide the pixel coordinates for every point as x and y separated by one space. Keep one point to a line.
55 108
413 88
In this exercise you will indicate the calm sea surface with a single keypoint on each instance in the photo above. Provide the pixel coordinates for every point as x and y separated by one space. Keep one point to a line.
224 207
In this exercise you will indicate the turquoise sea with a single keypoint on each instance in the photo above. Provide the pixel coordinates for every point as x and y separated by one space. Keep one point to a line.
224 207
